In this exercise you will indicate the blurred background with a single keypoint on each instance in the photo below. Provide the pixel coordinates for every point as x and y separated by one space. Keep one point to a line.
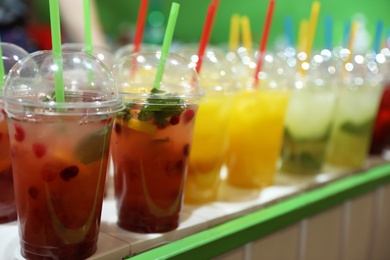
118 19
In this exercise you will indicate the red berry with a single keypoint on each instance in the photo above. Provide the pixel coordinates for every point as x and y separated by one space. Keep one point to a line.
3 112
33 192
188 115
175 119
19 133
69 172
39 149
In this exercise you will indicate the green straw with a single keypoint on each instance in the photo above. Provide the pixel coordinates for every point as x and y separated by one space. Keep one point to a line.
57 50
1 68
87 27
166 43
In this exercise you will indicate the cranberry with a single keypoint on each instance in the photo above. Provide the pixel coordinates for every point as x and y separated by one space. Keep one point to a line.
19 133
69 172
39 149
107 120
188 115
175 119
3 112
117 128
33 192
186 149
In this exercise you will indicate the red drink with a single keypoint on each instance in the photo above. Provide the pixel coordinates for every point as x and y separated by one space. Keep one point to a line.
7 197
59 152
150 164
381 132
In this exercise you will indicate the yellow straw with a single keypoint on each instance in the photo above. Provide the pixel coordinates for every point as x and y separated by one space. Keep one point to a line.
302 36
246 33
351 42
234 32
315 10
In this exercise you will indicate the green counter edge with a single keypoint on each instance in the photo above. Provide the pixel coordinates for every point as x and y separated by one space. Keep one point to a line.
240 231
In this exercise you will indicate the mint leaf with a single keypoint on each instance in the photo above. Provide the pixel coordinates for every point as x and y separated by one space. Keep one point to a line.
161 106
356 129
93 147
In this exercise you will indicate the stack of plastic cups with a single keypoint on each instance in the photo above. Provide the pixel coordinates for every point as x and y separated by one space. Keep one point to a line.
310 115
256 125
355 112
210 135
11 54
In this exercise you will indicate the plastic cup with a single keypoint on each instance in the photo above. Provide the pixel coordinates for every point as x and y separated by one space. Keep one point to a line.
380 140
152 140
101 53
210 140
256 127
128 49
59 151
11 55
355 114
310 116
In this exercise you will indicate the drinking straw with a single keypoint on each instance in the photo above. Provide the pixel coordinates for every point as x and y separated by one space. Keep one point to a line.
264 40
246 33
166 43
328 37
87 27
139 32
347 32
234 33
378 36
351 42
289 31
315 10
1 69
57 50
207 28
303 28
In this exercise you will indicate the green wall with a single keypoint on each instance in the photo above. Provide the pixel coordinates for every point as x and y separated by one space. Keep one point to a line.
118 18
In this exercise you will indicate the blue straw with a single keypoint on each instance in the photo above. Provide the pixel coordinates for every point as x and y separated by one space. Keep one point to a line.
347 31
328 37
378 36
289 31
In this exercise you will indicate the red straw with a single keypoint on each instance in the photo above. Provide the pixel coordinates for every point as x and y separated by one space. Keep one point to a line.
264 40
207 28
140 24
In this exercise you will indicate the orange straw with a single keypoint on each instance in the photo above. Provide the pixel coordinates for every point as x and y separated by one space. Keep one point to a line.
264 41
207 28
139 32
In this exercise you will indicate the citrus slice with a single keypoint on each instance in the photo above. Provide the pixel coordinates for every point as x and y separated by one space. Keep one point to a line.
141 126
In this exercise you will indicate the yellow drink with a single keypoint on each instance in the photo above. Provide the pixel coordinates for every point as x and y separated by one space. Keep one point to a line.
255 137
208 149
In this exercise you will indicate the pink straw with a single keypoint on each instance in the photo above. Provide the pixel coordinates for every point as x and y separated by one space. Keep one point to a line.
207 28
139 32
264 41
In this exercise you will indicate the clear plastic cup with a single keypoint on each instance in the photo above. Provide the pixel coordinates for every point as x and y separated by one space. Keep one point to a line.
152 140
310 116
256 125
101 53
11 54
210 140
60 151
128 49
355 112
